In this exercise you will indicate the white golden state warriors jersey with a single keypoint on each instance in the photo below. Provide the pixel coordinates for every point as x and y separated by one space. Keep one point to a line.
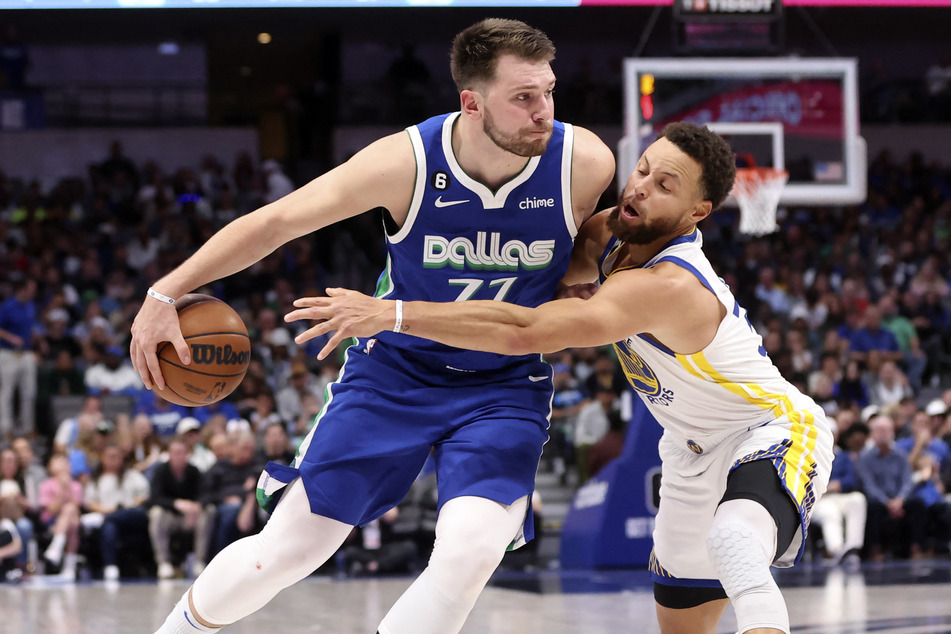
729 386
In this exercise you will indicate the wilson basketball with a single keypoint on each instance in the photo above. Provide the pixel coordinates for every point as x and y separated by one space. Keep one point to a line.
220 350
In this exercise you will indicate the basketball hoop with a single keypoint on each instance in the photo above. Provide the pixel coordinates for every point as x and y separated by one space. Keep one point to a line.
757 191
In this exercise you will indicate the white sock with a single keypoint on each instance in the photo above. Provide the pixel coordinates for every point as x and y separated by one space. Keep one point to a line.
182 621
54 552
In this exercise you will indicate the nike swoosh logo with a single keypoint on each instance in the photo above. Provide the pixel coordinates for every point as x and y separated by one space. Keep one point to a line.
536 379
439 202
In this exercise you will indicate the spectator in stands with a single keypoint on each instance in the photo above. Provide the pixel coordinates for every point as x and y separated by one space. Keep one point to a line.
568 399
115 498
223 408
277 184
302 383
18 362
851 389
32 474
887 481
114 374
872 337
605 373
175 507
61 499
829 368
189 431
890 386
10 548
841 510
609 447
275 446
63 378
67 433
227 485
57 338
14 505
771 293
925 457
914 361
163 415
933 323
592 425
146 446
264 413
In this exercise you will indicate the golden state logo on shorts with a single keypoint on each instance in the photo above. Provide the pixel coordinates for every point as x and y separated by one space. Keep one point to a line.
638 373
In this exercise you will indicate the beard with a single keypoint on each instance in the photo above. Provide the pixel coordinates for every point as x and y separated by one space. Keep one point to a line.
642 234
513 142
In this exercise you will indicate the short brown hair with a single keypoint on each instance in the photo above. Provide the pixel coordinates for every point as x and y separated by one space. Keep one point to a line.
714 154
476 49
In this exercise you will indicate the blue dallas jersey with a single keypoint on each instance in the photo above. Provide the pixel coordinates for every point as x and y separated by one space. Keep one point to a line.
462 240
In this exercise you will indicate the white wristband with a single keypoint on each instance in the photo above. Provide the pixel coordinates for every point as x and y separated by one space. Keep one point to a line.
165 299
399 316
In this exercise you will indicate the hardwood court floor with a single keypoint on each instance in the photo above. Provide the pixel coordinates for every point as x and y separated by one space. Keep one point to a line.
893 598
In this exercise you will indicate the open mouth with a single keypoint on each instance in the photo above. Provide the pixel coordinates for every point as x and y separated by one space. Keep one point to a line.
628 211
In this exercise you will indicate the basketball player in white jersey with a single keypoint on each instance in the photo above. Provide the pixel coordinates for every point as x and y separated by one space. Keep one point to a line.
482 203
745 454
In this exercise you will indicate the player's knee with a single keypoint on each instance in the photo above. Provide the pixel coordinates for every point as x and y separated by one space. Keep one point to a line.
468 551
739 558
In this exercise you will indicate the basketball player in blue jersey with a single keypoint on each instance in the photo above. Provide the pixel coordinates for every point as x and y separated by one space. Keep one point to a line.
745 454
483 203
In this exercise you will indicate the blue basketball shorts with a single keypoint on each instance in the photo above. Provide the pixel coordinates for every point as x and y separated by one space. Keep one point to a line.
386 412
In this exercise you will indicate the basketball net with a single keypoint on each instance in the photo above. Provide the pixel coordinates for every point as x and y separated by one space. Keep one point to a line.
757 191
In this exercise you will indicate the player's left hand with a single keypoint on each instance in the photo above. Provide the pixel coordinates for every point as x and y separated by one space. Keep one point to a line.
343 312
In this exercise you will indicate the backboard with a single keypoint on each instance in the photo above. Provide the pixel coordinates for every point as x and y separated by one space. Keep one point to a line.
797 114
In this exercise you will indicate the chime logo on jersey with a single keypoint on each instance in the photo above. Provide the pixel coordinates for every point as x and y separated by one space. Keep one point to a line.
641 377
487 253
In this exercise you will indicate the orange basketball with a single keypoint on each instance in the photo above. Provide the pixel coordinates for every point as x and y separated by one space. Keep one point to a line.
220 350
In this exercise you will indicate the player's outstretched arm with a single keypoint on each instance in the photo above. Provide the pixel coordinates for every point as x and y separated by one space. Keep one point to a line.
381 175
629 302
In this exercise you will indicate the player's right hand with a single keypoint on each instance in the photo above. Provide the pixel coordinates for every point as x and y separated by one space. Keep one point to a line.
155 322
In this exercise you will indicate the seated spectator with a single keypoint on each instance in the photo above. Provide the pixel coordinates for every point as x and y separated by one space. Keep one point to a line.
890 386
32 474
851 389
275 446
85 457
113 374
302 383
931 537
923 439
609 447
114 497
841 510
301 426
163 415
10 548
223 408
592 425
145 446
189 431
377 549
226 486
13 503
61 498
914 360
872 337
894 517
174 508
67 433
264 413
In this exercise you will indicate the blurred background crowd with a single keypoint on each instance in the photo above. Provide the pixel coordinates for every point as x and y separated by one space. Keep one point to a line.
98 476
